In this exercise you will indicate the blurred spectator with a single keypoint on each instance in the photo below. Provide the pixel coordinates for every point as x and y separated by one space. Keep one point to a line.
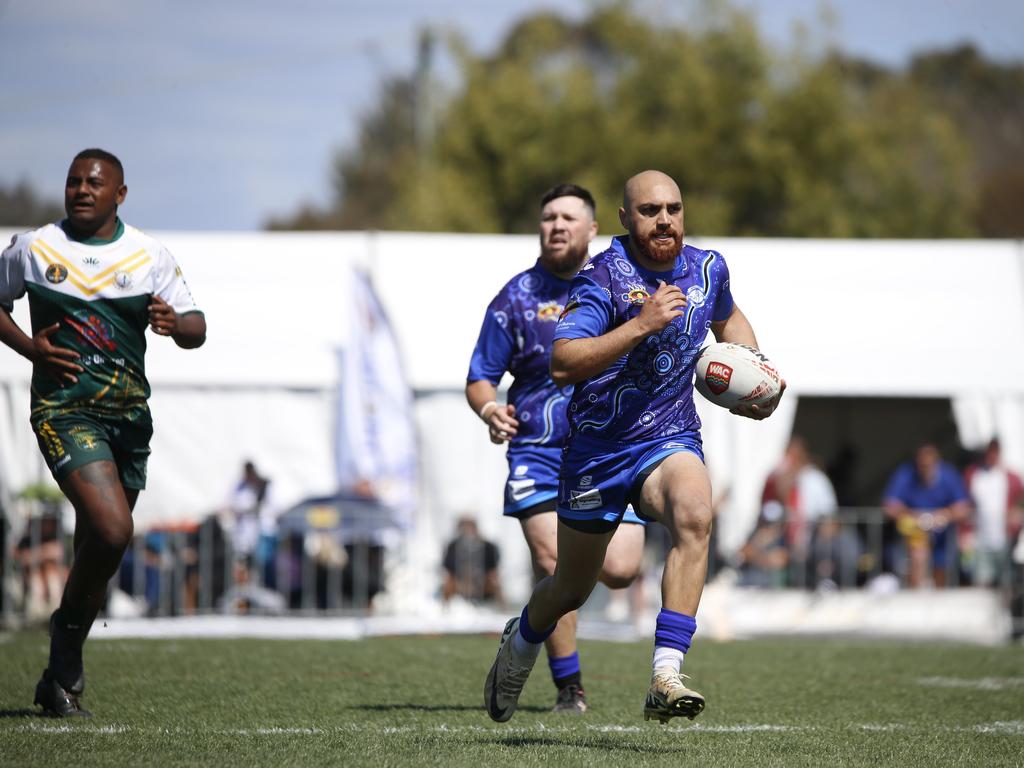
836 555
40 553
764 558
252 522
142 577
798 494
925 498
206 561
471 565
997 493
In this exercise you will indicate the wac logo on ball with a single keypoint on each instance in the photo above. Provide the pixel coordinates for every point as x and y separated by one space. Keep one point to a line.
717 377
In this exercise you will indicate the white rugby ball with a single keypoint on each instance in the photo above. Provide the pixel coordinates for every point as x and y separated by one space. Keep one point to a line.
733 374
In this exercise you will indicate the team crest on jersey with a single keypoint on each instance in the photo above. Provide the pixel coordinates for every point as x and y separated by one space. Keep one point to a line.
695 296
84 438
636 293
549 311
123 279
56 273
717 377
93 330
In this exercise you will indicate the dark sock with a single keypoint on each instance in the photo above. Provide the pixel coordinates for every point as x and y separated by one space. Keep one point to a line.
574 679
67 637
565 670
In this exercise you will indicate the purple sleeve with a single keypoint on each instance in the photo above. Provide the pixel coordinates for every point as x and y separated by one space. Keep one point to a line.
493 351
723 301
588 312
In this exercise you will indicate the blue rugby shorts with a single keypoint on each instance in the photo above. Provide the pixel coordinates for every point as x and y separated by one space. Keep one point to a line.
598 477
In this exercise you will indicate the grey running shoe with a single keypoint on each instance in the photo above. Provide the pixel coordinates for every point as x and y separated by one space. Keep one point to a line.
571 699
506 679
55 701
668 697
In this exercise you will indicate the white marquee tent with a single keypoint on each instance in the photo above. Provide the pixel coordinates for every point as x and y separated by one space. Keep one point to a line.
857 318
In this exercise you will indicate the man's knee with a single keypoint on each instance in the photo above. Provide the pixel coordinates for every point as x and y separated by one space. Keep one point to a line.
114 534
619 575
624 559
544 561
570 594
573 599
621 568
693 520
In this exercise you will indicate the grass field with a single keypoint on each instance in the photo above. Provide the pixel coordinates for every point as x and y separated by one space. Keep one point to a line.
417 701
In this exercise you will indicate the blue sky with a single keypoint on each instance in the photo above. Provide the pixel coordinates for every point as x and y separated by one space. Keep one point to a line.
228 112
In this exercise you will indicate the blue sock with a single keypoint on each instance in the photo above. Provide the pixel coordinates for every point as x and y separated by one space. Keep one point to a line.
529 634
674 630
565 670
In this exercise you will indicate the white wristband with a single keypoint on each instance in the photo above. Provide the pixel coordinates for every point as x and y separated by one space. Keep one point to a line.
485 410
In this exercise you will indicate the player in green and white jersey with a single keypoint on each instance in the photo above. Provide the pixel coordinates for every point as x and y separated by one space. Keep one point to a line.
94 284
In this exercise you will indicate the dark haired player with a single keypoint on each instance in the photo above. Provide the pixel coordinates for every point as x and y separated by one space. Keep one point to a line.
516 337
93 285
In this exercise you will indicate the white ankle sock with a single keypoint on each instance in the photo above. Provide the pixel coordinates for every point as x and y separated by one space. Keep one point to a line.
667 658
523 650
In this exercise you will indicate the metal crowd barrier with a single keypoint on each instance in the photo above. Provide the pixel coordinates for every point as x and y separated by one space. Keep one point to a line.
187 572
197 570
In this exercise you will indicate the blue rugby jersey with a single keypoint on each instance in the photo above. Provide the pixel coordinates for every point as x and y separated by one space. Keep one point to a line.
516 336
647 393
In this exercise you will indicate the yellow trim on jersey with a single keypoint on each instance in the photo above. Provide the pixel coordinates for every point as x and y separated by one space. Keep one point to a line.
54 446
84 283
102 393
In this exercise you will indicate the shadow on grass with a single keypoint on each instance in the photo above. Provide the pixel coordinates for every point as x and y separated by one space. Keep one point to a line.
606 742
8 713
435 708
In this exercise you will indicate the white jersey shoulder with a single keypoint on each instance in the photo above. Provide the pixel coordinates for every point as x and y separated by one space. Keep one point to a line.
134 264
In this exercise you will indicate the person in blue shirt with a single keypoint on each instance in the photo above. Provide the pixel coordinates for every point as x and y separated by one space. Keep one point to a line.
925 498
628 340
516 337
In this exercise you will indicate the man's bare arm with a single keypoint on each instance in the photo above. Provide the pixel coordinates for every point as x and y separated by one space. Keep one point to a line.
573 360
58 362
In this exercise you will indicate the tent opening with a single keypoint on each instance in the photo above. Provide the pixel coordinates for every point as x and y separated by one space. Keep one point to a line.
859 441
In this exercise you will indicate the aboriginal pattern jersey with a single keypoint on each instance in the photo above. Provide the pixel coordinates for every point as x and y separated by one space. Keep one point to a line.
516 336
99 295
647 393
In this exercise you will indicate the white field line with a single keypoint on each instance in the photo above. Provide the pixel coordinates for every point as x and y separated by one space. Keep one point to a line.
973 683
1000 727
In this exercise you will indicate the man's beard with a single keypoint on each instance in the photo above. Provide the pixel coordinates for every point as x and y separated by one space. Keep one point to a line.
656 251
567 261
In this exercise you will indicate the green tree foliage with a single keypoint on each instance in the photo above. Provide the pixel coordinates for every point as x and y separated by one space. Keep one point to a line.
987 101
20 206
761 141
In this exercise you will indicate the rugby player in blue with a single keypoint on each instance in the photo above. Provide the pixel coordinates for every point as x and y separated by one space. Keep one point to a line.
516 336
636 318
